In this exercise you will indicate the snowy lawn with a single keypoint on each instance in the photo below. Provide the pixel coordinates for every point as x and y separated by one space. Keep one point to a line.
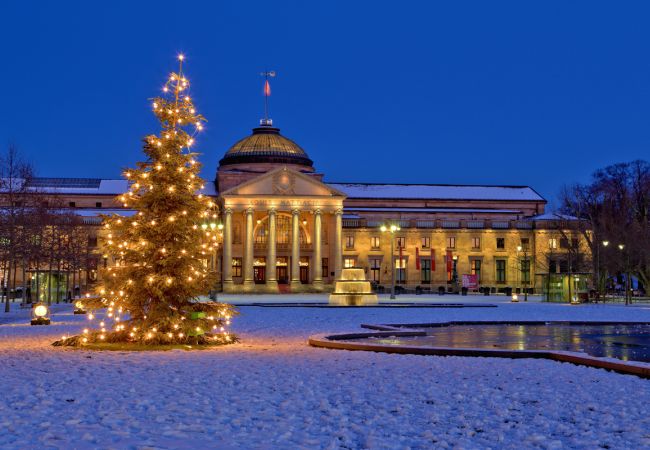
273 391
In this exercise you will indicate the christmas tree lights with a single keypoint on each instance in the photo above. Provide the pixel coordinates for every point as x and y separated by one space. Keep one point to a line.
161 253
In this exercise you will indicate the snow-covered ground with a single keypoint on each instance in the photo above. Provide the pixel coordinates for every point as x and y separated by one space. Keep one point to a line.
273 391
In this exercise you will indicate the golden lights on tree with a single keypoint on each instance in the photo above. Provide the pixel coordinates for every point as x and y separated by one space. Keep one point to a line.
161 253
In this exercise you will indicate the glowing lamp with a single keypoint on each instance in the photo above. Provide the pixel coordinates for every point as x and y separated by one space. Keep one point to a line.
40 314
515 298
79 307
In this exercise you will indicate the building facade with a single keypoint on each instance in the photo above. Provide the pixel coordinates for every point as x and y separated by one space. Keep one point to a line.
287 229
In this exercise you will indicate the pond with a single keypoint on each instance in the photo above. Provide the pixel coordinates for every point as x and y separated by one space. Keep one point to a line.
627 342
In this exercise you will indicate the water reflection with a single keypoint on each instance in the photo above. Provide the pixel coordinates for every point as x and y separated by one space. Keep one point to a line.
626 342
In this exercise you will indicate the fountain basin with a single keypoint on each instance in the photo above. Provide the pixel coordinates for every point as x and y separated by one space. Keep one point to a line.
353 289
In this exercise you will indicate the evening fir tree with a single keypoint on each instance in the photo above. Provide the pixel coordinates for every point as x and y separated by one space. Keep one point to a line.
161 252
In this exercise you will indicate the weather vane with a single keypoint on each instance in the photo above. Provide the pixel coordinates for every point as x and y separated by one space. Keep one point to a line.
267 93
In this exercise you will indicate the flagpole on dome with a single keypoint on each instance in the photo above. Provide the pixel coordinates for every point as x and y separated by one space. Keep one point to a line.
266 121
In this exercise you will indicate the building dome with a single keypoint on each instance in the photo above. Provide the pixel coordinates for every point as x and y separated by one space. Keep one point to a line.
267 146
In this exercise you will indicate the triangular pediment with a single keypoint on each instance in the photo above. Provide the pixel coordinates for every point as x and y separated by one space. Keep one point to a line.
284 182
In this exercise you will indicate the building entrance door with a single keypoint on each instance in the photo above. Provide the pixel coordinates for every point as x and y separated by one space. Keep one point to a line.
259 274
304 274
282 275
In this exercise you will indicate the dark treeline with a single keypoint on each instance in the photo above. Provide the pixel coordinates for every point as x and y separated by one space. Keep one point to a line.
615 206
43 247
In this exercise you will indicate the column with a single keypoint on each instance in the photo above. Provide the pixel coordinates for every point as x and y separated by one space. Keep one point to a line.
248 251
226 269
295 249
317 260
271 260
338 252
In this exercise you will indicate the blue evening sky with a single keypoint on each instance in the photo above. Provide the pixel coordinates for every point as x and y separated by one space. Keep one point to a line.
537 93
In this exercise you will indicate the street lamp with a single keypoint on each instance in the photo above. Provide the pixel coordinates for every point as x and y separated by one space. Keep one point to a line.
392 230
600 285
521 269
626 263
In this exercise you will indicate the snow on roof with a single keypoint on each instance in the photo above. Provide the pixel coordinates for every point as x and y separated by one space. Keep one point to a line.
94 186
437 191
96 212
552 216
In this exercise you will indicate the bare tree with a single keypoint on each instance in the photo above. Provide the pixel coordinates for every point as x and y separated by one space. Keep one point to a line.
615 206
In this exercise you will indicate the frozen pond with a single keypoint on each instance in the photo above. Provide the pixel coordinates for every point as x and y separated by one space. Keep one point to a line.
628 342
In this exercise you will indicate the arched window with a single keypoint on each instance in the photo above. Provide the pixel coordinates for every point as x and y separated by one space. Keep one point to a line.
282 231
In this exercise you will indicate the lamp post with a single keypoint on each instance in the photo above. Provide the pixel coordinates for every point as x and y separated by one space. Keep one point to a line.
598 277
392 230
626 263
521 270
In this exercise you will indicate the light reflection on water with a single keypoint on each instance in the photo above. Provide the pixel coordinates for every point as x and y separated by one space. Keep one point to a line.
626 342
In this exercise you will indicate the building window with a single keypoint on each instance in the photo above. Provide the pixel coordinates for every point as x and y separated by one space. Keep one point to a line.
98 204
426 242
348 263
501 243
552 243
72 205
375 269
92 241
476 269
451 242
400 270
564 243
349 241
400 242
236 267
374 242
425 271
476 243
501 270
325 267
525 244
525 271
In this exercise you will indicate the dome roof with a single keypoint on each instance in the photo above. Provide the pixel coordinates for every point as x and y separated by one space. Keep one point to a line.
266 145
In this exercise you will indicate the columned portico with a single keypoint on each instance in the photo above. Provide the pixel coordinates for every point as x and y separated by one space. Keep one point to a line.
271 254
288 227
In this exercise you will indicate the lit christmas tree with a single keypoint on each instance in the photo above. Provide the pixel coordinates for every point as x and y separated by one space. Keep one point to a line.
161 253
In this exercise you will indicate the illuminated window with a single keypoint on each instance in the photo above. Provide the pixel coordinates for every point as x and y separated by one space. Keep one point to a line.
400 266
236 267
426 242
476 268
400 242
552 243
348 263
375 269
349 241
374 242
451 242
476 243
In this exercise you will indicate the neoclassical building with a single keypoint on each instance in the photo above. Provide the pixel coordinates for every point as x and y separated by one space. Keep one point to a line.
287 228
